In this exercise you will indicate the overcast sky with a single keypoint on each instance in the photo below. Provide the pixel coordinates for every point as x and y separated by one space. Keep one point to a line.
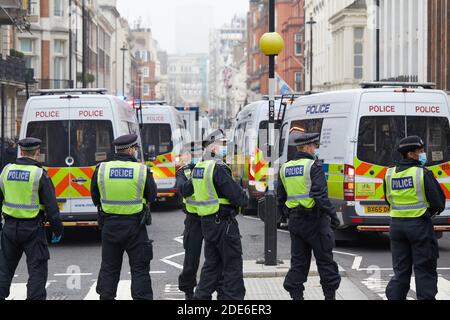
161 15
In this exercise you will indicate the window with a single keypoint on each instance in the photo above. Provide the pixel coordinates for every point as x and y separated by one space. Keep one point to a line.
58 47
298 82
304 126
58 8
27 45
29 62
33 8
298 44
58 71
158 135
90 141
146 72
262 135
358 53
146 90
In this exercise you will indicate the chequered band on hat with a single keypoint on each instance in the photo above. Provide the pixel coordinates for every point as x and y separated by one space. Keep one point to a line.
33 148
302 143
411 145
126 146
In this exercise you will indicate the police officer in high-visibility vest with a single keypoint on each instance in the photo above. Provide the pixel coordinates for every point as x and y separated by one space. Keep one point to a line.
303 194
192 235
122 189
28 200
217 198
414 196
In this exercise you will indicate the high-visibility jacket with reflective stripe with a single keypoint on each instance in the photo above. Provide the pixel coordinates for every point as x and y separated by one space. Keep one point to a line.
406 193
20 187
190 208
205 197
122 185
296 179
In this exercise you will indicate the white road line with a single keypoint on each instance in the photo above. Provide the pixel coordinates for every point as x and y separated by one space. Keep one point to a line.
123 291
154 272
252 218
356 263
172 289
171 263
346 253
179 239
443 289
18 291
71 274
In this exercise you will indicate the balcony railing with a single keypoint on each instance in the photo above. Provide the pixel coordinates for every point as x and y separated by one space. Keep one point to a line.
12 69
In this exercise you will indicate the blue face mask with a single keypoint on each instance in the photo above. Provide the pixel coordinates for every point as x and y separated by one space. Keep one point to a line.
423 158
317 154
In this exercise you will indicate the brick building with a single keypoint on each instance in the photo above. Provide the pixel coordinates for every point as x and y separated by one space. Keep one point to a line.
438 44
290 21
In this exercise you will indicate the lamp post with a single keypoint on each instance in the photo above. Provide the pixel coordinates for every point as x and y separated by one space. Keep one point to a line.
311 22
271 44
123 49
377 36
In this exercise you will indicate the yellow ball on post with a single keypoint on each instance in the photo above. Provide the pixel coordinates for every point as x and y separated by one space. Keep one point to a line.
271 44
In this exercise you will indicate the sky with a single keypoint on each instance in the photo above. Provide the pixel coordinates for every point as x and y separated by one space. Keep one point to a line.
161 16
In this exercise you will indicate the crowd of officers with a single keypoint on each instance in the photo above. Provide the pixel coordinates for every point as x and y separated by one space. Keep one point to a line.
122 189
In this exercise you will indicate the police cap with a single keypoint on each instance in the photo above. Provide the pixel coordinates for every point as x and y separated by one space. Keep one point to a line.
410 144
297 139
126 141
214 136
30 144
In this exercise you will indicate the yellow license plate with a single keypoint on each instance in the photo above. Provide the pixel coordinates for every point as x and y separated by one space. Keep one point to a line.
377 209
61 206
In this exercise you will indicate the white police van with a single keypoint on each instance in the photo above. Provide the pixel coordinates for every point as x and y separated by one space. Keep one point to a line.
77 128
360 131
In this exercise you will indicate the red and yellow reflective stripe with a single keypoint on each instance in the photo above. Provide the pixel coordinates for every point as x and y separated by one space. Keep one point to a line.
65 187
163 167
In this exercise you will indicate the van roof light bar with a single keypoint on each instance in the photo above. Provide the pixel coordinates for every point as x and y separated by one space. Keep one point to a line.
153 103
51 92
394 84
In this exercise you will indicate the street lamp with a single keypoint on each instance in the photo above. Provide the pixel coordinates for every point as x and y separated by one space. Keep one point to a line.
123 49
271 44
311 22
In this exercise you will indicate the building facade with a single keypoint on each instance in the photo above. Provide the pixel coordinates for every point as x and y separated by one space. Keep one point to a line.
226 65
439 43
290 63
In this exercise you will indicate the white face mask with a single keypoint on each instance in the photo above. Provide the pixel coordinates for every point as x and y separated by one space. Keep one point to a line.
136 153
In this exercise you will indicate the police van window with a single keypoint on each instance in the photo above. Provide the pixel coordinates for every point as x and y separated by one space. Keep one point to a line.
378 139
262 134
90 141
304 126
435 132
158 135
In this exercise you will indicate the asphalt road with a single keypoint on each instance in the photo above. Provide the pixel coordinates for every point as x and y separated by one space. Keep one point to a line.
74 264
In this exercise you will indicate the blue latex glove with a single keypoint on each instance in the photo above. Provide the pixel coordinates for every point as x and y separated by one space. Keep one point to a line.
56 239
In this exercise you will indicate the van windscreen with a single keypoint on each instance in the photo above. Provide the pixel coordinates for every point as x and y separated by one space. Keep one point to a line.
158 135
88 142
379 138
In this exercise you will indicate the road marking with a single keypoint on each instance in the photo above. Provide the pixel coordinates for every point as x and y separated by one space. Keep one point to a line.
179 239
154 272
172 289
123 291
171 263
71 274
18 291
356 263
252 218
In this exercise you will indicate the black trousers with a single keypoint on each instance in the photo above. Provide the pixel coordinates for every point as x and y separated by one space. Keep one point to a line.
413 244
29 237
311 233
119 235
223 259
192 243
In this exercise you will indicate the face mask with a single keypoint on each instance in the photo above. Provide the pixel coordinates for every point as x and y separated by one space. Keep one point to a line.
423 158
317 154
136 153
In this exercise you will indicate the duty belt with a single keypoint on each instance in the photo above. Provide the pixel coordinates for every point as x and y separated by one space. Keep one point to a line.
305 213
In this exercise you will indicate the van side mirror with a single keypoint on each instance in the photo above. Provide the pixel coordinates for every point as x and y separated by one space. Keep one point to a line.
151 153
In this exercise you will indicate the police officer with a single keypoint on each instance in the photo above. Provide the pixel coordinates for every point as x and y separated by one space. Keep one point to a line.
303 193
192 235
121 189
26 193
216 197
415 197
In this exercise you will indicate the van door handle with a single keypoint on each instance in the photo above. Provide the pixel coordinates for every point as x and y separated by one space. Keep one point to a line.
79 180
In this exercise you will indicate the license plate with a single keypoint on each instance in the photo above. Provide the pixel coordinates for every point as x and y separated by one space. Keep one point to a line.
377 209
61 206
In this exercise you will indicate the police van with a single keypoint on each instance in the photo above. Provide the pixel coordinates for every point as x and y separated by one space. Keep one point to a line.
360 131
77 128
163 136
249 161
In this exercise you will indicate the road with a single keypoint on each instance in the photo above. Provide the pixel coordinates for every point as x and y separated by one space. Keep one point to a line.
75 263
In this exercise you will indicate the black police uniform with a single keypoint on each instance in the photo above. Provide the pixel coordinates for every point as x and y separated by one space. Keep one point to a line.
29 236
223 247
192 243
413 240
125 234
311 229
